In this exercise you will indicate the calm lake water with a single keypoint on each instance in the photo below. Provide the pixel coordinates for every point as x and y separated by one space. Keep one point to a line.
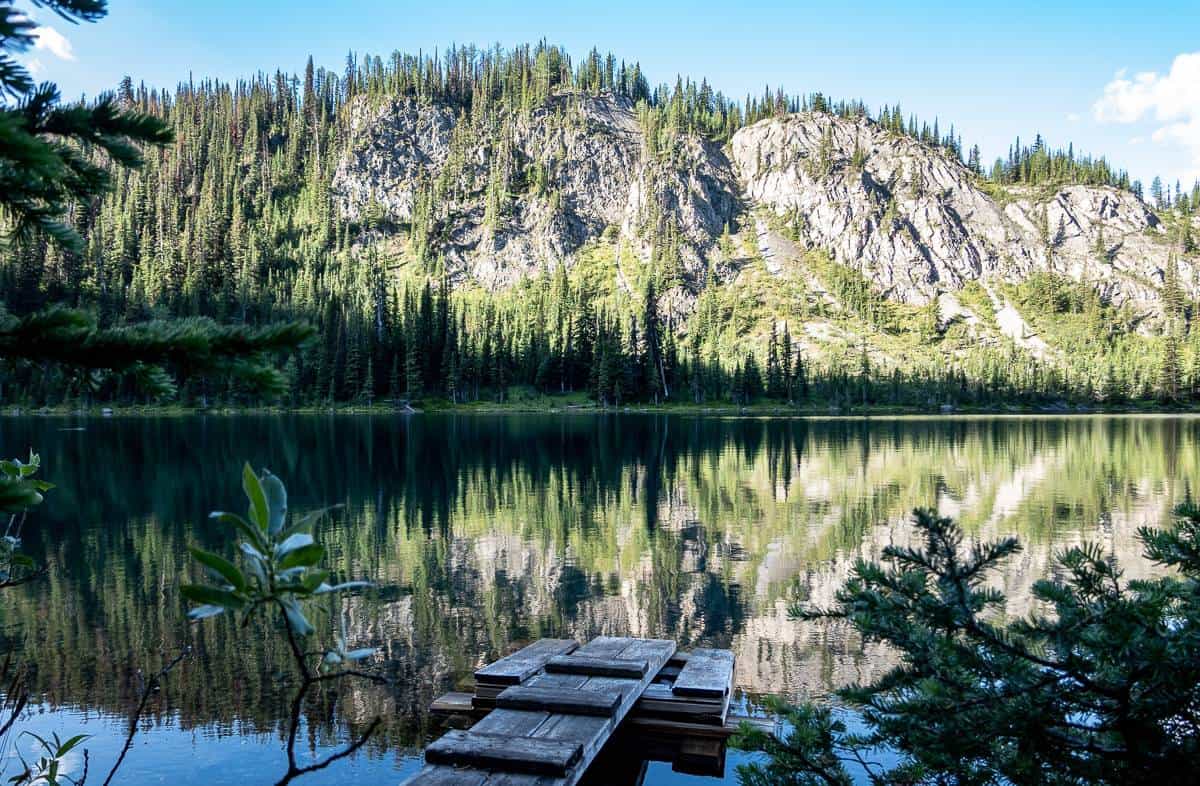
483 532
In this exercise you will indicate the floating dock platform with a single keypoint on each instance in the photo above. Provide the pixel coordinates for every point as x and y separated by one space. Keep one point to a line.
548 710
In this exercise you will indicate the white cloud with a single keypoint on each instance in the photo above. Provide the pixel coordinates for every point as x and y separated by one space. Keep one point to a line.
1171 101
53 42
35 67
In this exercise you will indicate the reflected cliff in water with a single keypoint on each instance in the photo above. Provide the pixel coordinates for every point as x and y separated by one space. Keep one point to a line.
481 532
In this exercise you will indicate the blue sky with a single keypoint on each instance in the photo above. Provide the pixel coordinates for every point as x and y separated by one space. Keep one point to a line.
1114 78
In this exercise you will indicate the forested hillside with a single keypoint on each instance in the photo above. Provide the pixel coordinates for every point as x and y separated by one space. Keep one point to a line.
484 225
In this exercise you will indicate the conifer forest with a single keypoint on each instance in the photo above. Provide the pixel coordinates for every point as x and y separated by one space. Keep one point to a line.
244 218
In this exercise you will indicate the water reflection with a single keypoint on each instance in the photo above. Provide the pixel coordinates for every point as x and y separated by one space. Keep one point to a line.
483 531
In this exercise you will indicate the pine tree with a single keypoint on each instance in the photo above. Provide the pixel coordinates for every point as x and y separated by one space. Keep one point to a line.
1170 372
367 393
394 388
786 371
412 372
656 379
752 382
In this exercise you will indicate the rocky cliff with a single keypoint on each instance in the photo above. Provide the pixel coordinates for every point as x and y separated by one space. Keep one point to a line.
913 219
917 222
572 171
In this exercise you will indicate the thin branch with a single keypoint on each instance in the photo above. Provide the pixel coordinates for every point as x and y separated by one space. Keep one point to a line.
295 772
28 577
307 681
362 675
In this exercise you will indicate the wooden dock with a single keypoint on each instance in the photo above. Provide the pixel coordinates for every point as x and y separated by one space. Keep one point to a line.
550 708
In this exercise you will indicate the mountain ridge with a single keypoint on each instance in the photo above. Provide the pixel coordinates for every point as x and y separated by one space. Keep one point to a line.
499 221
914 220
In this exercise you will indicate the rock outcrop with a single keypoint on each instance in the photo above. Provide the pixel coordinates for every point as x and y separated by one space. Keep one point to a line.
577 168
919 223
912 218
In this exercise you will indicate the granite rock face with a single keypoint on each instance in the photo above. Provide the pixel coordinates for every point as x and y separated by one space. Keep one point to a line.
918 222
597 174
913 219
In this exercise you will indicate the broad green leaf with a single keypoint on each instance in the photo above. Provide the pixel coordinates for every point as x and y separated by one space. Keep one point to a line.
254 554
257 563
293 542
304 523
252 533
295 617
221 566
276 495
17 495
259 513
201 593
206 611
314 579
305 555
345 585
66 747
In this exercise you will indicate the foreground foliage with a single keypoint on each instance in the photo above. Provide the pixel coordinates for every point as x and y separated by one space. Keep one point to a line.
47 150
46 760
19 493
1102 686
55 159
282 576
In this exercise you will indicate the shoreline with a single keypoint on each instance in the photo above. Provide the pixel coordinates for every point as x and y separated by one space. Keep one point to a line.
548 407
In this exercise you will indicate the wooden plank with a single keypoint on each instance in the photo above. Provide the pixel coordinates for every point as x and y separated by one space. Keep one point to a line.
597 667
517 779
447 776
593 732
706 674
587 731
529 755
453 702
557 700
604 647
524 663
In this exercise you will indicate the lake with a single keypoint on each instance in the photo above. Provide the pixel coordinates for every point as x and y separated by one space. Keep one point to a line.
482 532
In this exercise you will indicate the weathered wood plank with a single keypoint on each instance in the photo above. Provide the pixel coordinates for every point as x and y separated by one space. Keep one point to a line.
706 674
531 755
524 663
597 667
588 731
567 702
604 647
664 704
447 776
453 702
516 722
517 779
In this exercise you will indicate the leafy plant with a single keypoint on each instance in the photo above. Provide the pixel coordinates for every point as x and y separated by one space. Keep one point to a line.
281 573
19 491
47 768
1102 688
